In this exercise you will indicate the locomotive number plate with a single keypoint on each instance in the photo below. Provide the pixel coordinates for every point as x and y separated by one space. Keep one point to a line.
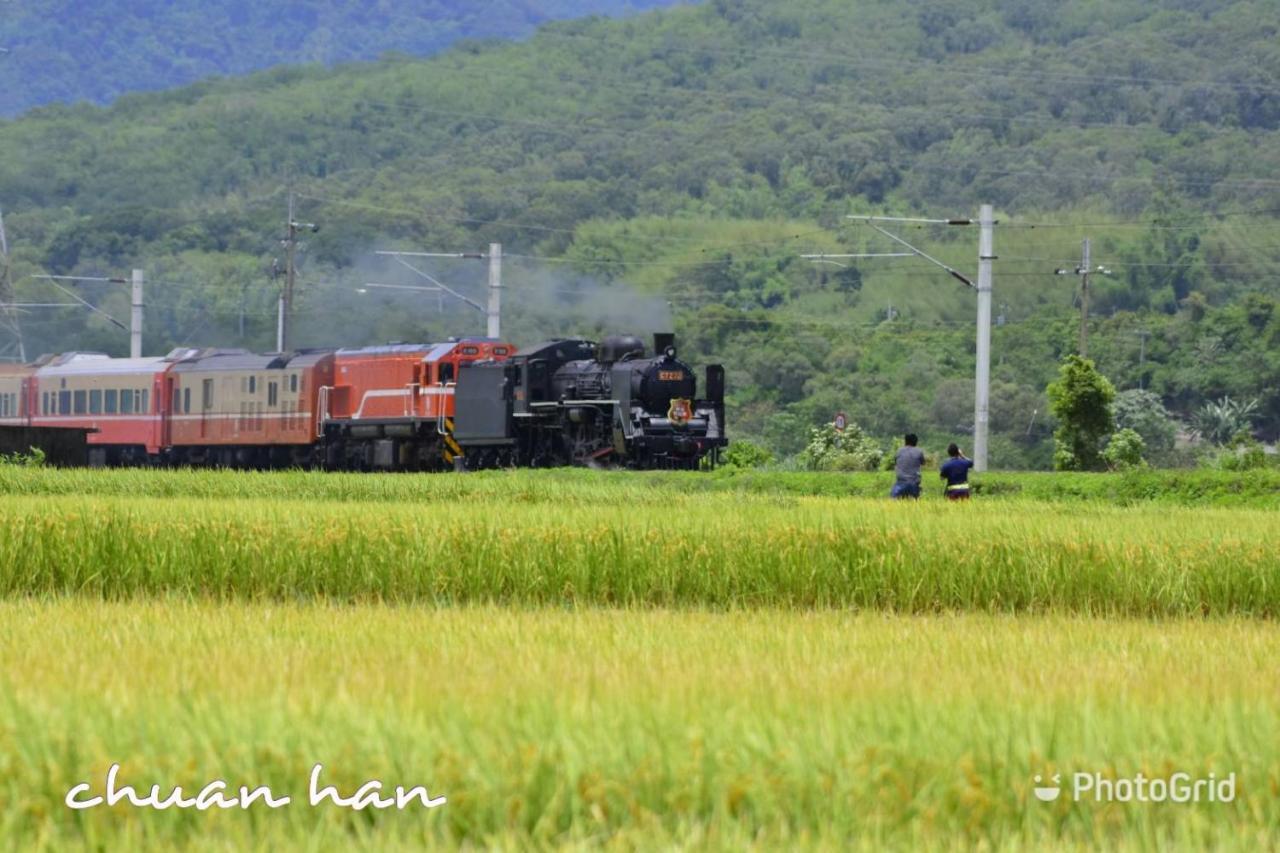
670 375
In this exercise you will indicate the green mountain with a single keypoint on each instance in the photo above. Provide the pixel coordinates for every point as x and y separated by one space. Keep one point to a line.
73 50
674 167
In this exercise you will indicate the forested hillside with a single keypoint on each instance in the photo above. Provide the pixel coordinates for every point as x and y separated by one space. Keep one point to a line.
72 50
673 168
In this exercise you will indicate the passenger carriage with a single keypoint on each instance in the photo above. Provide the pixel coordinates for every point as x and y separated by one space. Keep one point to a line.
15 381
235 408
117 398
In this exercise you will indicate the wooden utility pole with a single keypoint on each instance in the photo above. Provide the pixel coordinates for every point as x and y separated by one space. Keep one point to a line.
1084 299
285 318
1085 269
290 275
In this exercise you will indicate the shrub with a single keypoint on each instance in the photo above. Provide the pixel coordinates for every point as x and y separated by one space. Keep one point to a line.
35 458
745 454
831 450
1124 450
1243 453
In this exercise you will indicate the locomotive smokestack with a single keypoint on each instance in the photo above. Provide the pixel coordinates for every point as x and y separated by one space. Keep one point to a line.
662 340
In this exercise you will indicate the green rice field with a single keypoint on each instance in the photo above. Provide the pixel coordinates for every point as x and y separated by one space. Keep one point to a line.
582 660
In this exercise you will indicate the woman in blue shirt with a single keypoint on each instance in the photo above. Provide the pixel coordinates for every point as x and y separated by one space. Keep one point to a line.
956 472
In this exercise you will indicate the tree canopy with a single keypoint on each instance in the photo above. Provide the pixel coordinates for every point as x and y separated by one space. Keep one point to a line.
672 168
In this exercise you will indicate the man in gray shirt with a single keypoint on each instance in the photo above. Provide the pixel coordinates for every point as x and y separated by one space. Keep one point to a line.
907 468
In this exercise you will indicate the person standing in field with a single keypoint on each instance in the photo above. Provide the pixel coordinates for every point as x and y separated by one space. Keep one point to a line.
907 466
956 472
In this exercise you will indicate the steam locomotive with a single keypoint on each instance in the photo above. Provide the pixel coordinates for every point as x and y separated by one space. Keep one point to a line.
573 402
464 403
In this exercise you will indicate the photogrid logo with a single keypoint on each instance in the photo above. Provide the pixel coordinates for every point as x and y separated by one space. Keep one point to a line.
1178 788
1048 793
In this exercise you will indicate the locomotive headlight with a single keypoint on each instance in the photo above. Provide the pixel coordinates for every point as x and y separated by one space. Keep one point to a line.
670 352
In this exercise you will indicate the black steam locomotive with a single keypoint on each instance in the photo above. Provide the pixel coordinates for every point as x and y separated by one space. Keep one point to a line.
575 402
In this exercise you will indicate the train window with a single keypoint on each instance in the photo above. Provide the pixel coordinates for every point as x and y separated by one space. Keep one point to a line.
81 398
143 406
64 402
4 405
186 400
273 393
126 401
95 402
206 394
293 383
109 401
446 372
253 385
44 402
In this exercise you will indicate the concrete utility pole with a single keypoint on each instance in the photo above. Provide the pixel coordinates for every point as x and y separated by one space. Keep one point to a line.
135 315
492 311
493 316
9 312
986 254
1084 270
982 381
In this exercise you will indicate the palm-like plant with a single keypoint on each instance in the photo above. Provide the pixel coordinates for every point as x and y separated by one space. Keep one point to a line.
1218 422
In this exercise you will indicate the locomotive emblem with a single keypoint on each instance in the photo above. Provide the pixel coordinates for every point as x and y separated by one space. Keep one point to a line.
681 411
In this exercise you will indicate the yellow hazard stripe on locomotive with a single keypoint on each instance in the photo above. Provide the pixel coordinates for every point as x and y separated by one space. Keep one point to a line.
451 449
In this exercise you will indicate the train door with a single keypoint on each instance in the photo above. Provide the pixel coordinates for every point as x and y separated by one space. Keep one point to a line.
168 405
446 380
206 407
420 400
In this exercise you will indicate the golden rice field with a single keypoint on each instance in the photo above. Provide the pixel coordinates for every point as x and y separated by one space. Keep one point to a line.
591 661
639 729
721 550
